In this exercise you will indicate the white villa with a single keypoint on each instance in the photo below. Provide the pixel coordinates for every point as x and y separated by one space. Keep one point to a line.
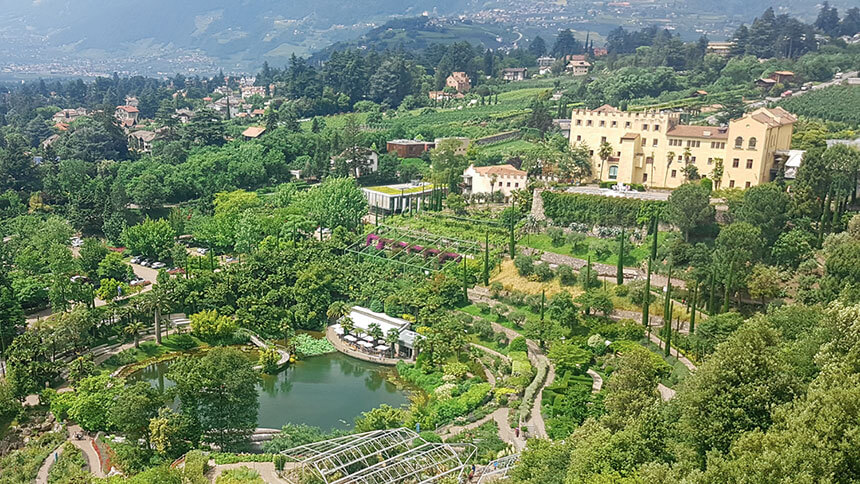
490 179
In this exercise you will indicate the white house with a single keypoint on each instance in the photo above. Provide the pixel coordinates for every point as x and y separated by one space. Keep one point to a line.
490 179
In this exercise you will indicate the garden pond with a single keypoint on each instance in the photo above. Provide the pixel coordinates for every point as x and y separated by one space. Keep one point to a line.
326 391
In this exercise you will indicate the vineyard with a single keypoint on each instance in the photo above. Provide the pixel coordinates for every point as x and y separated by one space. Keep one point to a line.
837 103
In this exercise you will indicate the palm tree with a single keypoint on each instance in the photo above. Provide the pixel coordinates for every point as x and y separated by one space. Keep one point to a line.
156 301
338 310
134 330
604 153
376 331
717 172
391 339
670 157
347 324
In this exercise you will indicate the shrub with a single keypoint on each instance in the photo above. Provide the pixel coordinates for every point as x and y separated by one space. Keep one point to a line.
500 310
621 290
430 437
280 461
556 236
524 265
592 278
483 328
567 208
124 357
183 341
376 306
484 308
496 289
456 369
518 318
269 360
543 272
501 340
533 302
566 275
601 248
517 298
518 344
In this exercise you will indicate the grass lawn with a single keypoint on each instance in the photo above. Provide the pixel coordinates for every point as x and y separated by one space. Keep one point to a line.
147 350
633 257
474 338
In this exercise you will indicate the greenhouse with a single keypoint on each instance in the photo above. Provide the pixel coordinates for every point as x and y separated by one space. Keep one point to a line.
413 248
377 457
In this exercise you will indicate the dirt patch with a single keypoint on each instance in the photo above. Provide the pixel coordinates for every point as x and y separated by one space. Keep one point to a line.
512 281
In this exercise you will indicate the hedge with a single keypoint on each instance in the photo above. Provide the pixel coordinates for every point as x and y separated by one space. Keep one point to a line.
566 208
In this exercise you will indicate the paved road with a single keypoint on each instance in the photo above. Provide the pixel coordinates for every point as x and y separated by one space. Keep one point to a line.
597 381
86 446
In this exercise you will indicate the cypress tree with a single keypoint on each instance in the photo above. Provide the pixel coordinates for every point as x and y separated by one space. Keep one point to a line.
487 258
587 284
712 285
512 242
646 303
619 272
465 285
542 302
693 314
667 310
655 228
668 334
728 284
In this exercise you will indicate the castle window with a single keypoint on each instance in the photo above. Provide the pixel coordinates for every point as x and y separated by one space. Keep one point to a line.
656 127
749 164
739 142
736 163
731 183
602 123
613 172
747 185
588 123
579 122
752 143
674 173
614 124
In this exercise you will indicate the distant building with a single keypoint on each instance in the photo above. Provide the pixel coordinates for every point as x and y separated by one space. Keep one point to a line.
545 64
461 149
254 132
444 96
50 140
514 73
491 179
782 76
765 83
599 51
372 165
131 101
723 49
649 147
184 115
128 116
69 115
409 148
579 67
459 81
141 141
563 125
250 91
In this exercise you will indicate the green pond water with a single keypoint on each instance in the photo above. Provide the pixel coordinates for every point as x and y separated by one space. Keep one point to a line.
326 391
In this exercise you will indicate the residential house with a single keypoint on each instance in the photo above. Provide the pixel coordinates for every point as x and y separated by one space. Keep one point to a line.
371 165
491 179
765 83
782 77
444 96
723 49
409 148
141 141
459 81
128 116
50 140
545 64
461 148
653 148
254 132
132 101
599 51
399 197
69 115
514 73
579 67
184 115
250 91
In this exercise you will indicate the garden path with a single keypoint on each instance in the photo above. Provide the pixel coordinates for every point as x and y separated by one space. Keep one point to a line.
500 416
86 446
491 351
666 393
266 470
42 476
597 381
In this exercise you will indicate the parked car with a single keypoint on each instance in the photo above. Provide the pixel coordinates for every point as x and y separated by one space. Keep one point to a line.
145 262
158 265
136 259
139 282
77 242
202 251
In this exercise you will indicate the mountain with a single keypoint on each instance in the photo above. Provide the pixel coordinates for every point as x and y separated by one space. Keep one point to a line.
232 32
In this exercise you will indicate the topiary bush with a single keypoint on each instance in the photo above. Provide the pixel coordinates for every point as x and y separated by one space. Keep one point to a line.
518 344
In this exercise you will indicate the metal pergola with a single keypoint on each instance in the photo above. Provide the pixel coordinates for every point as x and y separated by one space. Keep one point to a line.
412 248
396 456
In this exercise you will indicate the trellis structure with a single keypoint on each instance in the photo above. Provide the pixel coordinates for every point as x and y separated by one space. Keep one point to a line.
396 456
414 248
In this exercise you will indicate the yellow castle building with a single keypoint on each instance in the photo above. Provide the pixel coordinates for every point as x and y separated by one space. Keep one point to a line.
653 148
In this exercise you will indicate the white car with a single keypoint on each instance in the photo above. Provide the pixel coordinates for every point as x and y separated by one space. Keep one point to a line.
158 265
202 251
136 259
77 242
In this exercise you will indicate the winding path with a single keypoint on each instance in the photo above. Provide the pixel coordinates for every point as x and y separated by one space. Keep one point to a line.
266 470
